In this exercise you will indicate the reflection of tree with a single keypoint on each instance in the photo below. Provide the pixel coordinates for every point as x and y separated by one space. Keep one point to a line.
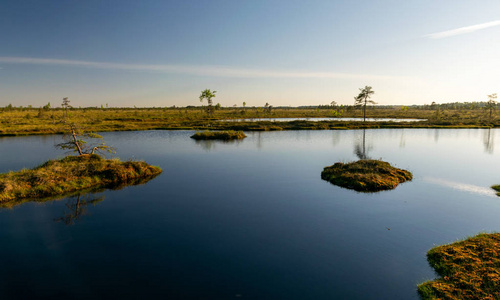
77 207
360 148
436 135
259 140
402 141
335 136
488 140
206 145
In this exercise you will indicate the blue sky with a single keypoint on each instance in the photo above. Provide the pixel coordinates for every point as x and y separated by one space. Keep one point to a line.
163 53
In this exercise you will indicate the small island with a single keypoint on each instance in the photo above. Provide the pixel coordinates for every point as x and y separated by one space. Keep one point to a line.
365 175
469 269
496 188
70 174
219 135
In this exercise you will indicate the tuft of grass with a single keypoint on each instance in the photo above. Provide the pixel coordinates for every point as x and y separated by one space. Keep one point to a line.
496 188
366 175
70 174
469 269
219 135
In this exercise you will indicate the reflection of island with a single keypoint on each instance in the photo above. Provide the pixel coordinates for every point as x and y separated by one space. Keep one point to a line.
77 207
209 145
488 140
360 148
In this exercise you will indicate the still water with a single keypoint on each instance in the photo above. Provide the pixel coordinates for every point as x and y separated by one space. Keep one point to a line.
250 219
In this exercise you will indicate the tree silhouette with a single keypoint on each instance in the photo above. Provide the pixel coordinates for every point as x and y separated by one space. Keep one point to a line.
364 98
208 95
491 103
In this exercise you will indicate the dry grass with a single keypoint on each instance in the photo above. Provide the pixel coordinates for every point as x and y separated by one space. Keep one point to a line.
365 175
470 269
70 174
219 135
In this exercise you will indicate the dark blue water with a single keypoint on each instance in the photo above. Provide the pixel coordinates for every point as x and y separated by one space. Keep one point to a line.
250 219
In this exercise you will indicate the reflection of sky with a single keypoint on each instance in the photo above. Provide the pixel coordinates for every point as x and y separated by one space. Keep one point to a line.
249 213
474 189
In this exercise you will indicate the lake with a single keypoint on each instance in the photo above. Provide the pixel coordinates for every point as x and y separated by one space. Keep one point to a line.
251 219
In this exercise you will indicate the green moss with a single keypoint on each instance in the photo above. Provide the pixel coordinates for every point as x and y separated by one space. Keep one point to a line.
469 269
365 175
497 188
219 135
70 174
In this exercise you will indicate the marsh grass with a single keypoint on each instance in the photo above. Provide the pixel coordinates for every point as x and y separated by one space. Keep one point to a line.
496 188
469 269
366 175
219 135
70 174
34 121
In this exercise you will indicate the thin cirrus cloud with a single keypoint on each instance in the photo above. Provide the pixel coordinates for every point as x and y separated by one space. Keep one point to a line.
462 30
214 71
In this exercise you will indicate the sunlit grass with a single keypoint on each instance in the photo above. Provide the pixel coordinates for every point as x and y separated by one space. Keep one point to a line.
469 269
219 135
34 121
70 174
365 175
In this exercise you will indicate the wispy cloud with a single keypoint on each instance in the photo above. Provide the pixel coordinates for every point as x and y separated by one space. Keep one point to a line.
214 71
462 30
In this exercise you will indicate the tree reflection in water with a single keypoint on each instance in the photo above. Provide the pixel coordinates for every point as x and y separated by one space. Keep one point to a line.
77 207
488 140
360 148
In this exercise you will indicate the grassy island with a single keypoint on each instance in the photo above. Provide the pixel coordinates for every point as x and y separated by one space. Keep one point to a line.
497 188
70 174
470 269
219 135
366 175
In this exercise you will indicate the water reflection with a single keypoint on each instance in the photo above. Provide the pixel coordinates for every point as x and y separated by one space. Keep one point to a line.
402 140
474 189
488 140
76 207
360 147
209 145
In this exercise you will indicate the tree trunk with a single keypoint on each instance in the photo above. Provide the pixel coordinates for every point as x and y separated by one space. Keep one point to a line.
364 110
76 142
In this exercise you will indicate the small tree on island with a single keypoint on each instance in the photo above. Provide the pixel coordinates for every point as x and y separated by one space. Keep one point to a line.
75 140
491 103
208 94
364 98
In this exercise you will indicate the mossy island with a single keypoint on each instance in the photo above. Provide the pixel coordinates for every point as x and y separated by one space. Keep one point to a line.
365 175
470 269
70 174
228 135
497 189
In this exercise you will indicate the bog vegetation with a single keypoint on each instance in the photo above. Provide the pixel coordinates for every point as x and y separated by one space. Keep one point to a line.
365 175
469 269
219 135
47 120
70 174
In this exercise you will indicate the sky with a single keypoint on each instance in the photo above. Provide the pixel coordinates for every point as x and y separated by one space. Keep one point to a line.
157 53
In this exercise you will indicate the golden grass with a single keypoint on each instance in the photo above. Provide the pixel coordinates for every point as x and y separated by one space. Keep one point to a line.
219 135
33 121
366 175
70 174
469 269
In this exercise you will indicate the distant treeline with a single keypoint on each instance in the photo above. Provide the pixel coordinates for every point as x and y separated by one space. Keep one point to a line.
432 106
